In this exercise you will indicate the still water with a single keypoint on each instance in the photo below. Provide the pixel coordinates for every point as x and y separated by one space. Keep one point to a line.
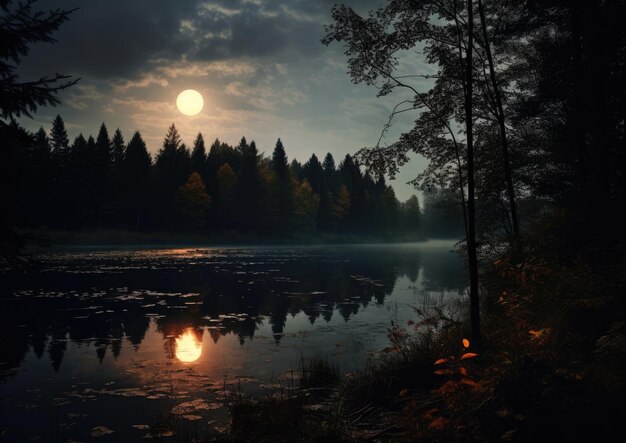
102 344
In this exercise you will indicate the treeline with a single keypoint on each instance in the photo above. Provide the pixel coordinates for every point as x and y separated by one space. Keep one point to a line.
105 182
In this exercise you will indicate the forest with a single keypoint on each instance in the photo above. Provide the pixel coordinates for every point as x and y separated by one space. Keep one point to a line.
106 183
519 109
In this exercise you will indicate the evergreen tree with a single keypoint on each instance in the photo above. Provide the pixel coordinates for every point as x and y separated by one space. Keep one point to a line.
102 175
227 185
350 175
296 169
283 191
249 191
411 216
82 185
61 185
117 190
38 188
135 180
198 154
58 140
330 173
172 168
279 162
118 147
313 172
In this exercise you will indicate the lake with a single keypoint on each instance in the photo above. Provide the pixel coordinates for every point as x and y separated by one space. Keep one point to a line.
102 343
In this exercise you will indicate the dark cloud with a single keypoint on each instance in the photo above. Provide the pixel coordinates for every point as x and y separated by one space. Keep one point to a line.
105 38
119 38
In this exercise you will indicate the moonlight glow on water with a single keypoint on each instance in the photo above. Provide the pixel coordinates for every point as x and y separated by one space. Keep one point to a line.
188 348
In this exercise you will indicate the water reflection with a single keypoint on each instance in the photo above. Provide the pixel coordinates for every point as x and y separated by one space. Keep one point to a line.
94 332
101 298
188 347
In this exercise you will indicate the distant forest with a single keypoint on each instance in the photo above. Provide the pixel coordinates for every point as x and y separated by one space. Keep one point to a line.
106 183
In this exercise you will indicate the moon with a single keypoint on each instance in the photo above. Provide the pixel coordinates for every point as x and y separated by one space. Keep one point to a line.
188 348
190 102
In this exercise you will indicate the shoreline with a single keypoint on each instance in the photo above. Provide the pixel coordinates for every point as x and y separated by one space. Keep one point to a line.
48 240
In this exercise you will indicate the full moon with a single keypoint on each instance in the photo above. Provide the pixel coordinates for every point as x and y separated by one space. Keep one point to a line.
189 102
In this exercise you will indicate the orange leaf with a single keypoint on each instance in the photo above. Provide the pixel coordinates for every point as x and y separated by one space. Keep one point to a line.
442 372
428 415
463 371
440 361
438 423
468 355
466 343
468 381
471 383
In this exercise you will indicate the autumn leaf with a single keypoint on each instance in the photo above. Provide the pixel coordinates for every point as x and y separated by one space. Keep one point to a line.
463 371
469 382
442 372
428 415
466 343
440 361
438 423
468 355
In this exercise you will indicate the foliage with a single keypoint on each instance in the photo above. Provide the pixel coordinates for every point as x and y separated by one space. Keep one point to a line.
20 27
194 201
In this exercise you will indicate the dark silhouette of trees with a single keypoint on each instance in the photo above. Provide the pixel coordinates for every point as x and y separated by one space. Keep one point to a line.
135 183
103 183
227 185
284 190
198 154
171 169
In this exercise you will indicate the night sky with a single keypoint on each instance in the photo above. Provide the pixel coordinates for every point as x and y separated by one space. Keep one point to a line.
259 65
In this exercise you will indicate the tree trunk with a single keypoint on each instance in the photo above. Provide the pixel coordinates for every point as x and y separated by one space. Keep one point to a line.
471 210
501 123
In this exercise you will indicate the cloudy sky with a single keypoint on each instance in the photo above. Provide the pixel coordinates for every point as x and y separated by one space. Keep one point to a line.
259 65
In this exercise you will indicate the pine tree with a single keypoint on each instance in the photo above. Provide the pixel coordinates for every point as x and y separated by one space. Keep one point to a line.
135 180
198 155
411 216
284 192
172 168
118 147
227 185
330 173
59 141
279 162
249 191
102 174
